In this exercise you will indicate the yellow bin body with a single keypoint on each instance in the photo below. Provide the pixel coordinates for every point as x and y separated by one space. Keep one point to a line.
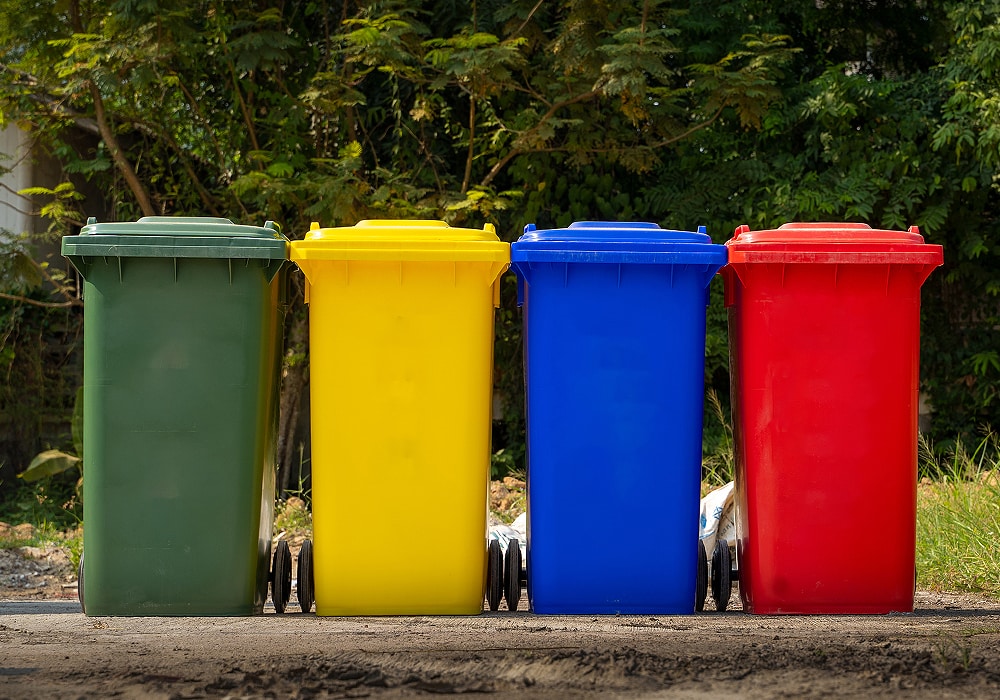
401 375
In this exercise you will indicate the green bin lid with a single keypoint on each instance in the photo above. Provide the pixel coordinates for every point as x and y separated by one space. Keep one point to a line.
177 237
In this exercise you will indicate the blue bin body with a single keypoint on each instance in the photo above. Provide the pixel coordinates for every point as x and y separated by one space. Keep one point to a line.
614 333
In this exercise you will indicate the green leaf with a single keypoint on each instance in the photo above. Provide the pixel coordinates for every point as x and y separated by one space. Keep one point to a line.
280 169
983 362
48 463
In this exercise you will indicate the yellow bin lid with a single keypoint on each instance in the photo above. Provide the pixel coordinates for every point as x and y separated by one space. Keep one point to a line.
403 241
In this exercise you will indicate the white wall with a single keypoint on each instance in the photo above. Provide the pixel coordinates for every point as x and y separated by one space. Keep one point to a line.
13 207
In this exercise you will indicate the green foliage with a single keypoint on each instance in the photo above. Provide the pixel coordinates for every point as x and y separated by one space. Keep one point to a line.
502 463
51 462
863 142
40 370
682 112
958 518
51 502
18 268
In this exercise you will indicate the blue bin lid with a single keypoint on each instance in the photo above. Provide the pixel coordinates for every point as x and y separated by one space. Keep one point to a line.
617 242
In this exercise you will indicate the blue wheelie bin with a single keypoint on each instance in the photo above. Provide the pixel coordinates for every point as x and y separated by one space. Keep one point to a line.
614 333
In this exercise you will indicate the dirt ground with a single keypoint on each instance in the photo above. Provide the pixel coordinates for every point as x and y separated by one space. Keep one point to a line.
948 648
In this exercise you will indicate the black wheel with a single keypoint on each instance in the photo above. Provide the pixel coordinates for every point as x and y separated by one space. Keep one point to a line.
512 574
722 575
79 585
494 575
281 576
307 591
701 587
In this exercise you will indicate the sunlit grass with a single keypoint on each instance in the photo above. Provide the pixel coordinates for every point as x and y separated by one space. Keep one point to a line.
958 520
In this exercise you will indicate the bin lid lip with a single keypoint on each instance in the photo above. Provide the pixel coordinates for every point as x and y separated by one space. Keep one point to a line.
580 234
807 235
398 231
181 226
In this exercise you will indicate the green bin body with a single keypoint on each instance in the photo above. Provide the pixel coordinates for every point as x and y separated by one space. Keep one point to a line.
182 350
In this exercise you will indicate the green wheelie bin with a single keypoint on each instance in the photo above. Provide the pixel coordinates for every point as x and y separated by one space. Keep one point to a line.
182 349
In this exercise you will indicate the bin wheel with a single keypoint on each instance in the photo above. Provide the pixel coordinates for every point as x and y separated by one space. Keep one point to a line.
512 574
79 585
701 587
494 575
307 589
722 575
281 576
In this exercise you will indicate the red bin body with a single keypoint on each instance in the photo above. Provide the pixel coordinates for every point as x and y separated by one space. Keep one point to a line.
824 324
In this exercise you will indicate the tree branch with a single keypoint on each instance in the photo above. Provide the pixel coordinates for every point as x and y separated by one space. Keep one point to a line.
247 117
206 197
516 151
617 149
193 103
645 146
70 300
472 143
428 156
128 172
107 135
528 18
54 105
45 304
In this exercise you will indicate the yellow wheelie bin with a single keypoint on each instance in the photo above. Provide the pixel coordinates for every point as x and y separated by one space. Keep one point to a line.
401 370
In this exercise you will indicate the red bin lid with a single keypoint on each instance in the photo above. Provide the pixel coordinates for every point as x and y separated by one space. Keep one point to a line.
825 242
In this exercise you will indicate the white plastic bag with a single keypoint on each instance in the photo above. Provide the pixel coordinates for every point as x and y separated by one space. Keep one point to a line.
718 518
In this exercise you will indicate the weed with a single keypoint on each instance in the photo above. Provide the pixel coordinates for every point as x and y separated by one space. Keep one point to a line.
292 515
953 654
72 540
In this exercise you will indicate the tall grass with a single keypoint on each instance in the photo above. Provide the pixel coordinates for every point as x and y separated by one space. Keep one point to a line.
958 518
718 463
